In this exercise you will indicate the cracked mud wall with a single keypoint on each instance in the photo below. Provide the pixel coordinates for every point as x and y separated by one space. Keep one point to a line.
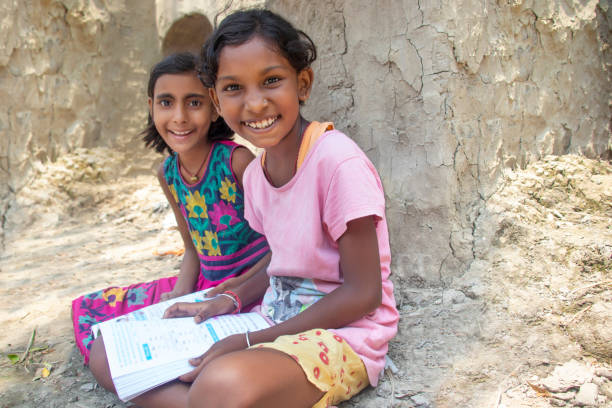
172 18
443 95
72 74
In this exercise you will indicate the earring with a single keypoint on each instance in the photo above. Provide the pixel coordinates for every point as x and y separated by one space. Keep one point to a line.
265 101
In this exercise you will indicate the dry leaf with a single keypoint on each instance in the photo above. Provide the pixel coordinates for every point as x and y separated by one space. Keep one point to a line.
176 252
45 372
541 391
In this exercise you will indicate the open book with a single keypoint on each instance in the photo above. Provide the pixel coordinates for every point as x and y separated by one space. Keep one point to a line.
145 351
154 311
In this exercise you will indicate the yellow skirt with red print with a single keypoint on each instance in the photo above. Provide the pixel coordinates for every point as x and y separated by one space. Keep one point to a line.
329 363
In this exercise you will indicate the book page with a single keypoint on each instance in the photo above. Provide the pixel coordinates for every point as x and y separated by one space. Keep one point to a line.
154 311
138 348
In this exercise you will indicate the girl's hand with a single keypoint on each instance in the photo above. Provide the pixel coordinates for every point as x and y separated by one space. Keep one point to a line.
229 344
201 310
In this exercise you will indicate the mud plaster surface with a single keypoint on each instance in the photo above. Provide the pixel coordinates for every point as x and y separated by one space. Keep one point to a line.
537 295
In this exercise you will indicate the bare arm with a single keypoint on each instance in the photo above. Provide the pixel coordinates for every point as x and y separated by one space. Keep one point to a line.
358 295
240 160
190 266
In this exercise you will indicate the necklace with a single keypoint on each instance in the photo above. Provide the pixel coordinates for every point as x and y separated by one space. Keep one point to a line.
192 177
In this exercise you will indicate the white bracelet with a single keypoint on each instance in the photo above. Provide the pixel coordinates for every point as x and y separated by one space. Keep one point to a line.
231 297
247 339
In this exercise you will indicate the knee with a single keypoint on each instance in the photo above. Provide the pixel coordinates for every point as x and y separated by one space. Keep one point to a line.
221 384
98 364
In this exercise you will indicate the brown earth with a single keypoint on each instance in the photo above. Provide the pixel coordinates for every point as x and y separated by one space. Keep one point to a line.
537 296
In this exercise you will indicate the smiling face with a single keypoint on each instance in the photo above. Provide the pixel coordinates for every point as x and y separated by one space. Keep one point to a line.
182 112
258 92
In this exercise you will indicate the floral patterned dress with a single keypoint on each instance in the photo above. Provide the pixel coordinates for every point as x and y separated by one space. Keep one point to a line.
214 210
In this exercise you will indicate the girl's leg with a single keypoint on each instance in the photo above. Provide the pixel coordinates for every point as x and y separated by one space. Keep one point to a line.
253 378
170 395
98 364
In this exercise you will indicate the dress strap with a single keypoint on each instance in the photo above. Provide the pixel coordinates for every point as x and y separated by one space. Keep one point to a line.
311 135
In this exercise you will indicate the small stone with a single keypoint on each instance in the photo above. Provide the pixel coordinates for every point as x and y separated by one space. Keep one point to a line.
587 395
565 396
390 365
569 375
606 389
604 372
87 387
383 390
453 296
420 400
405 393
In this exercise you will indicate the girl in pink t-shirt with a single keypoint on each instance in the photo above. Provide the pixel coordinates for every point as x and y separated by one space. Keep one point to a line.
320 203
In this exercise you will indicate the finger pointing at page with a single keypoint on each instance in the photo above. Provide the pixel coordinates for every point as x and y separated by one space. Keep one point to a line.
182 309
200 310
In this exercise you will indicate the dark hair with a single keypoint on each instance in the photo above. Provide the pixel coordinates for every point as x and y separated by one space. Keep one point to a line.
177 64
241 26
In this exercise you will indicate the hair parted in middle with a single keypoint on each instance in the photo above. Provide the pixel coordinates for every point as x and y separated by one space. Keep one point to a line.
240 26
178 63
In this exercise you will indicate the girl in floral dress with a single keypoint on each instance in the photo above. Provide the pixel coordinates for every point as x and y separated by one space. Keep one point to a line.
202 180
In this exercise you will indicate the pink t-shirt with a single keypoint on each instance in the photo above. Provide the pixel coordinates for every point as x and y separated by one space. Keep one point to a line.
302 221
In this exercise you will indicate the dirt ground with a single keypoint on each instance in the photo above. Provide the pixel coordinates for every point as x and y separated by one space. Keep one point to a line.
528 325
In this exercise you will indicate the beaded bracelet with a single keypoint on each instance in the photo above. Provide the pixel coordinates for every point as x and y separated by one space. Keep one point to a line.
235 299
